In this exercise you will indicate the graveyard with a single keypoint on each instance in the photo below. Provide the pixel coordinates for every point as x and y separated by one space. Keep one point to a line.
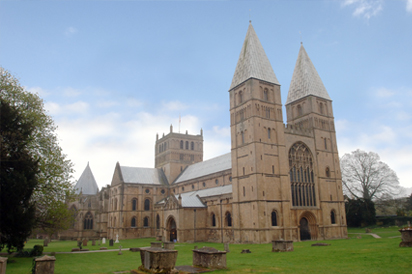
360 253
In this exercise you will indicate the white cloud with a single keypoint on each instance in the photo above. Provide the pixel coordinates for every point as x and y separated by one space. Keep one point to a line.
38 90
364 8
70 31
56 109
409 5
384 93
174 105
71 92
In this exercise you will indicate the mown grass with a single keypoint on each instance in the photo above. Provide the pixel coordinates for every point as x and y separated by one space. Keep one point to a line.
352 255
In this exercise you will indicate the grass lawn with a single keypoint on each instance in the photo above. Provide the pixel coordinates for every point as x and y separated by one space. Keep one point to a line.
353 255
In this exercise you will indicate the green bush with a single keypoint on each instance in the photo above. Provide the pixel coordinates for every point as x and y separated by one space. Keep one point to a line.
36 251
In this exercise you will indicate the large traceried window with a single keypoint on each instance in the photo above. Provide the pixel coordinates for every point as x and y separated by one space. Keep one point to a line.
88 221
301 176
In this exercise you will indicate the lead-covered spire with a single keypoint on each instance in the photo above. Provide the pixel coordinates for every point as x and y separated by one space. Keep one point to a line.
253 62
305 80
86 184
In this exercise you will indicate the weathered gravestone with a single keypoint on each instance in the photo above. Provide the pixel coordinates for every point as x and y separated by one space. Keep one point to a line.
227 247
169 245
120 250
84 242
282 246
3 265
111 242
103 240
46 242
209 257
93 242
157 260
44 265
406 236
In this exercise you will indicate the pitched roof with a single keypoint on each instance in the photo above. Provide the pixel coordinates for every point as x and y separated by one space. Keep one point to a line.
86 183
192 199
141 175
305 80
253 62
220 163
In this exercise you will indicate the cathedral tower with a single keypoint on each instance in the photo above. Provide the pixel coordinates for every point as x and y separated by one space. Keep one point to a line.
309 112
260 181
175 151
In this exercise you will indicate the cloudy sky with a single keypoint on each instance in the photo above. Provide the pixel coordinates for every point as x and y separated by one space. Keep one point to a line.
114 73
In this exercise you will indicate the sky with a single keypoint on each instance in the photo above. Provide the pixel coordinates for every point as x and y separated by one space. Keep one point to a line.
113 74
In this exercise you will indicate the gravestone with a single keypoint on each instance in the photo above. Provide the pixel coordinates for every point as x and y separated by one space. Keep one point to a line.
282 246
44 265
245 251
103 248
157 260
46 242
103 240
169 245
227 247
117 238
84 242
120 250
111 242
93 242
406 237
209 257
3 264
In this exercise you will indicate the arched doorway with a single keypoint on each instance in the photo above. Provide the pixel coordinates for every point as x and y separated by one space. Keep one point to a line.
304 229
171 229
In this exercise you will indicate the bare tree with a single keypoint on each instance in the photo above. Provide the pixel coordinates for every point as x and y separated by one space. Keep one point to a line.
365 176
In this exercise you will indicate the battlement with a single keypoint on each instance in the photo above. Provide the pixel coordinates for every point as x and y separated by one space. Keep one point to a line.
297 130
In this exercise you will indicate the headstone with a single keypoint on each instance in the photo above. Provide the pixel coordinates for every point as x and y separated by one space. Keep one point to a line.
84 242
103 248
46 242
246 251
209 257
117 238
120 250
111 242
157 260
406 237
282 246
3 264
227 247
79 244
103 240
44 265
93 242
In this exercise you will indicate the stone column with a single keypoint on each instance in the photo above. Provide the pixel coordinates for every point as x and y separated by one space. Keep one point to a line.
3 264
45 265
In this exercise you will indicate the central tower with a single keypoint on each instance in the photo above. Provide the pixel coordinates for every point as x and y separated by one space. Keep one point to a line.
257 141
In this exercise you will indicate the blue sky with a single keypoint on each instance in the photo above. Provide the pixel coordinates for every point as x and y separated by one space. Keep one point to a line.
115 73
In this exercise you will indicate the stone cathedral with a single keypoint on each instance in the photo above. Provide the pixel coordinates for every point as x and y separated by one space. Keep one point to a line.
278 182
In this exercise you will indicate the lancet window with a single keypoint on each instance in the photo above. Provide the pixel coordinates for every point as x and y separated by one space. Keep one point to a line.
301 176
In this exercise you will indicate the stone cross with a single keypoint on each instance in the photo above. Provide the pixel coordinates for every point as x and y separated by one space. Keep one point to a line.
117 238
120 250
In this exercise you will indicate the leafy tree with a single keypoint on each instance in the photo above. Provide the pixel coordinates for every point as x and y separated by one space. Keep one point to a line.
360 212
18 170
54 188
365 176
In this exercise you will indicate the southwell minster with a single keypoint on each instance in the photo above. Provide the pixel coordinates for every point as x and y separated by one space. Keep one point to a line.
279 181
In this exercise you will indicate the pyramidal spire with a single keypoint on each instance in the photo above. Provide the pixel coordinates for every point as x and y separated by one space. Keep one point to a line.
86 183
305 80
253 62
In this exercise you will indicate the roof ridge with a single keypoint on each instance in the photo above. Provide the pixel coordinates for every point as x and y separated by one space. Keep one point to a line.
253 62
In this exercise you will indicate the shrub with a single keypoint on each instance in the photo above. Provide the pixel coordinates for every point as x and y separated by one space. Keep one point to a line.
36 251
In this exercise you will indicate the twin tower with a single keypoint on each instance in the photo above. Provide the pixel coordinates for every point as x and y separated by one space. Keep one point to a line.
286 181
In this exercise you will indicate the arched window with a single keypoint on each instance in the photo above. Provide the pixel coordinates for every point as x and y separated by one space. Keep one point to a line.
217 181
134 204
192 146
321 108
115 204
228 219
88 221
213 219
157 222
332 217
181 144
187 144
146 221
268 133
147 204
265 95
327 172
240 97
133 222
300 112
274 218
301 176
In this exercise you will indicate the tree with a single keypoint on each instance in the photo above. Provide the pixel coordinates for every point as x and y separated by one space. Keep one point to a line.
54 188
360 212
18 170
365 176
